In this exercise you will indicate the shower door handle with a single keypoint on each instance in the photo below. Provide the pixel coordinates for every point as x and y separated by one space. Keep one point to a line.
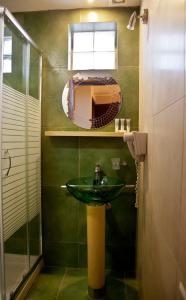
10 162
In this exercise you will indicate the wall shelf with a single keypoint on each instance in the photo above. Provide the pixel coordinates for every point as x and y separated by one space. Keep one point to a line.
84 133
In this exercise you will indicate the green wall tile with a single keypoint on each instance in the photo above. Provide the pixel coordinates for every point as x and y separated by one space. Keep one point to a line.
54 80
82 223
121 223
97 150
82 256
53 117
64 219
121 259
61 254
59 160
59 215
128 79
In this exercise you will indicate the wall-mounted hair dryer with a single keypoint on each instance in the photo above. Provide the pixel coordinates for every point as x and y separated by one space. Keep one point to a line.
137 144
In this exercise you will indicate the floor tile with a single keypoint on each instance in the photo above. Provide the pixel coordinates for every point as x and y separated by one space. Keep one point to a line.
115 289
47 284
71 283
74 285
131 289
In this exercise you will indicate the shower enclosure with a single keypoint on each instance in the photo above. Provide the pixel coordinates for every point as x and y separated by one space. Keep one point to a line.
20 131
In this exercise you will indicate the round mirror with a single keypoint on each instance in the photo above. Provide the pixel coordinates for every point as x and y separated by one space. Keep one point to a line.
91 101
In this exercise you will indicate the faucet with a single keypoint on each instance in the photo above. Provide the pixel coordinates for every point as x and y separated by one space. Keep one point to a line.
98 175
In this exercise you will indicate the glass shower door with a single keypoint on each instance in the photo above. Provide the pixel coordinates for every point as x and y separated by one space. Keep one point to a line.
34 155
20 131
14 168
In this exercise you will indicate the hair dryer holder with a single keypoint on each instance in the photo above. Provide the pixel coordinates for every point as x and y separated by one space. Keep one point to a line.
137 144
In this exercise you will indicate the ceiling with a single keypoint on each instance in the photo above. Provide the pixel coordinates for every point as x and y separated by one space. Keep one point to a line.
37 5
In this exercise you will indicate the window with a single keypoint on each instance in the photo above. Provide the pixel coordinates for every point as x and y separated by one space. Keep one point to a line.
7 55
93 46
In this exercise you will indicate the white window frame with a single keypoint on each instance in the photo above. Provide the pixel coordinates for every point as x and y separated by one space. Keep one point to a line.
91 27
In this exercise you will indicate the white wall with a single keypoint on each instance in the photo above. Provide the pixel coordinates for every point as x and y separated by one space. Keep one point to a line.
162 212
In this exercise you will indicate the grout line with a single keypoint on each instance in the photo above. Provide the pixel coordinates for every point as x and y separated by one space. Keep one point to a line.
78 251
168 106
61 284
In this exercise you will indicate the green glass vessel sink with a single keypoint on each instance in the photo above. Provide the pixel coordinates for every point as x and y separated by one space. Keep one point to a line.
85 191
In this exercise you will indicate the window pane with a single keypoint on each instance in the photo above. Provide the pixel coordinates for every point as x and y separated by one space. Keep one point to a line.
82 61
104 41
104 60
7 45
83 41
16 77
7 65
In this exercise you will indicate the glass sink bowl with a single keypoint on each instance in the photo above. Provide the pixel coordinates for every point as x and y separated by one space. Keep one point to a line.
85 191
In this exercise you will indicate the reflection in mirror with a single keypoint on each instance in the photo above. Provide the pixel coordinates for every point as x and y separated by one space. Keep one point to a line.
91 101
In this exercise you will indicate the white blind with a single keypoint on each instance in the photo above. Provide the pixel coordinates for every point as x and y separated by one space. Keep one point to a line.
20 159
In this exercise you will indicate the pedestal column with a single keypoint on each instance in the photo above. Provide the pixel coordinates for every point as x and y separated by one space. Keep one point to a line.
96 250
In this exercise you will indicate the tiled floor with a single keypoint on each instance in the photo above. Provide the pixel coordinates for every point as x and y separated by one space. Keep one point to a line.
69 284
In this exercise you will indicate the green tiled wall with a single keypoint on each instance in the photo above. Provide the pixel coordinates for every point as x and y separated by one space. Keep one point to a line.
64 219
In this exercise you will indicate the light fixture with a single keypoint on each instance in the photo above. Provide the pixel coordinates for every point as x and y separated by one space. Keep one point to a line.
92 16
134 16
118 1
90 1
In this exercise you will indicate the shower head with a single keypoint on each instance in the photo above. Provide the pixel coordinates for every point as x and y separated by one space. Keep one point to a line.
134 17
132 21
